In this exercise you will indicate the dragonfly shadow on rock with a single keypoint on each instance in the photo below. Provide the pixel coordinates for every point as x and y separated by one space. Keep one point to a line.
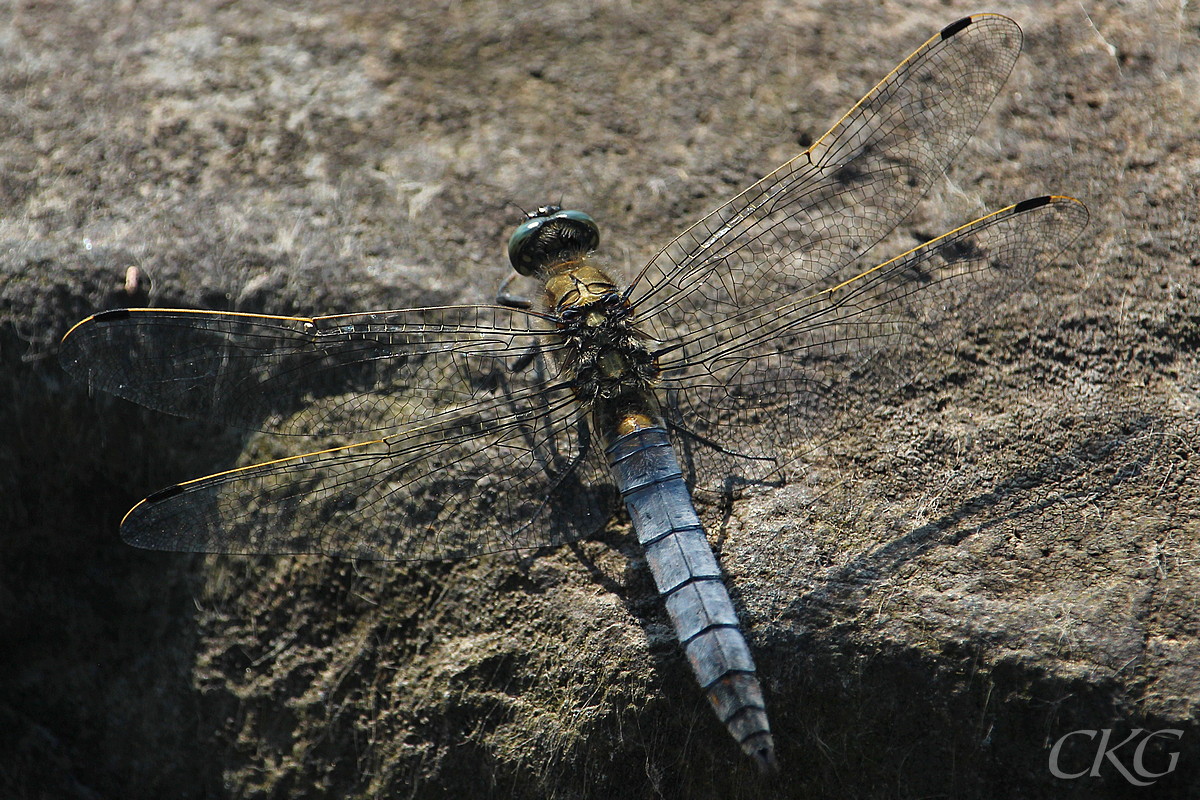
1096 460
1031 605
1053 568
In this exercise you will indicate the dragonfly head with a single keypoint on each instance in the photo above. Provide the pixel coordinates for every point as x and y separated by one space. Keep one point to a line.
549 236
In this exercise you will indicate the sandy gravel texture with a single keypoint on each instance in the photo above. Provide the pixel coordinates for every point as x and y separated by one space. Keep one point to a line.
1004 555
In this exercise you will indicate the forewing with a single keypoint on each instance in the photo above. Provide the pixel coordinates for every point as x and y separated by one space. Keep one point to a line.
744 392
372 372
826 207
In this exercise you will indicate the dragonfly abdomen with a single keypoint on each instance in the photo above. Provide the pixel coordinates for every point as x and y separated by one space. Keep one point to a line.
689 579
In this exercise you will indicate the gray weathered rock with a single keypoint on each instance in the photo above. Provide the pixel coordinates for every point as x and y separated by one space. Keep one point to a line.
1003 556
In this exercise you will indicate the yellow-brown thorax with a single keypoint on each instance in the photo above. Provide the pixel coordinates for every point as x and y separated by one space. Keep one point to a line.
612 370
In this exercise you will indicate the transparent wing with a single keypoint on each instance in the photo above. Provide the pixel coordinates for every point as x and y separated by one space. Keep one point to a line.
826 207
741 393
456 486
487 437
351 373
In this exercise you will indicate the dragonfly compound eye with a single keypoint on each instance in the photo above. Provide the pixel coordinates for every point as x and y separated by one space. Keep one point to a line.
549 236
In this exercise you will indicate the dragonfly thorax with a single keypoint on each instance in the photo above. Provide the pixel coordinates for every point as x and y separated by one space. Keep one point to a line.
605 356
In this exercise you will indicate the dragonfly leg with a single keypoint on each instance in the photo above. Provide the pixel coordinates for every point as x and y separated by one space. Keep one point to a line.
512 300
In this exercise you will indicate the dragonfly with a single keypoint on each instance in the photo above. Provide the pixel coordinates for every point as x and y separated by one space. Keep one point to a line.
462 430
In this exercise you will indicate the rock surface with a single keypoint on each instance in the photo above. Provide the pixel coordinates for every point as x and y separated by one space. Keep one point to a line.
1001 557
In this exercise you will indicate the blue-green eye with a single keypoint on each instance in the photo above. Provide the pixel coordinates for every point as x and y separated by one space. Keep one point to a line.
550 235
579 216
517 242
